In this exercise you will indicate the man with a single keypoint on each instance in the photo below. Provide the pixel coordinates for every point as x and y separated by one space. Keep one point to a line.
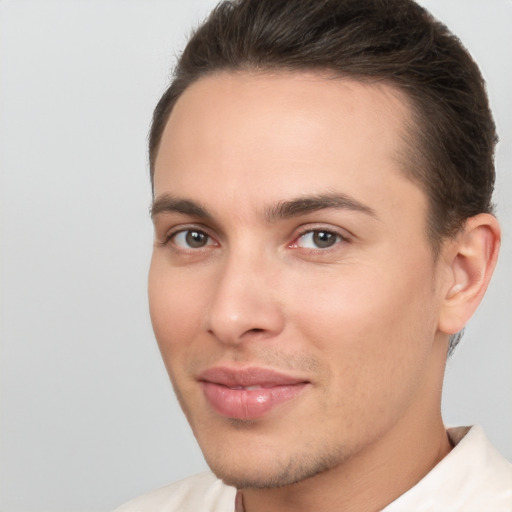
322 176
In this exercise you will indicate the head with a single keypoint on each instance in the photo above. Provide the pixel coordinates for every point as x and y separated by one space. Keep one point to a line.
322 173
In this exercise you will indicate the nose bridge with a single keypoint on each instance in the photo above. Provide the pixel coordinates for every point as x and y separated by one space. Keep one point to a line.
243 304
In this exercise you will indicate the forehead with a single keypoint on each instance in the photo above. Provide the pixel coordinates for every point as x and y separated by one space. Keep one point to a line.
262 136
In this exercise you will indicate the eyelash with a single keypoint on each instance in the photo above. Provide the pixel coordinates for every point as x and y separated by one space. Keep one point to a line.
171 236
339 238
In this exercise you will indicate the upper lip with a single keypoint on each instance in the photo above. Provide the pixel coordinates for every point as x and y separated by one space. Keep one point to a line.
248 376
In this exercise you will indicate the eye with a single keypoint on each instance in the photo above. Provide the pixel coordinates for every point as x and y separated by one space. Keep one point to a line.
191 239
318 239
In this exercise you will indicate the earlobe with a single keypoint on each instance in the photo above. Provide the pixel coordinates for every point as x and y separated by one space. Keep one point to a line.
472 258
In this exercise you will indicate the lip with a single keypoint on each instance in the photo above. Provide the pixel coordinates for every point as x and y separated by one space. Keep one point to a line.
248 393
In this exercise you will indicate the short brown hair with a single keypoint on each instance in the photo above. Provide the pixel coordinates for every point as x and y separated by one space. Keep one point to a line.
450 153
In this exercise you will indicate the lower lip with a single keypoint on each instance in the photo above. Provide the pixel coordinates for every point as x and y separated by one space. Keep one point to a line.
249 404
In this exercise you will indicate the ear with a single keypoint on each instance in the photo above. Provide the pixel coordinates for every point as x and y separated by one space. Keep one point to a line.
471 258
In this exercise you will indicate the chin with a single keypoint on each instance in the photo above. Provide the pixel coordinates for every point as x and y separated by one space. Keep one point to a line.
267 473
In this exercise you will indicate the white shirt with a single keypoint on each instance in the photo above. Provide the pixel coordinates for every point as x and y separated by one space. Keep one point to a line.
473 477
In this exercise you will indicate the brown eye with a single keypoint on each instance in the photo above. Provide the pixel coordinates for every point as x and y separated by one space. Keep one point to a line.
323 239
191 239
318 239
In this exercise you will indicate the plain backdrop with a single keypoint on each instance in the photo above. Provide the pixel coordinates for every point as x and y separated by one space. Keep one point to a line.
88 418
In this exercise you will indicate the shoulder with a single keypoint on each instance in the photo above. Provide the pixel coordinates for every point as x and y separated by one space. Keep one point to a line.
204 492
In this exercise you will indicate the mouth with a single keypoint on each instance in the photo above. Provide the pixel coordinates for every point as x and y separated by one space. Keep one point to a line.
248 393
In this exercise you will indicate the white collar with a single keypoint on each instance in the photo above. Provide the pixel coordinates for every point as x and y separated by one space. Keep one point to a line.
472 477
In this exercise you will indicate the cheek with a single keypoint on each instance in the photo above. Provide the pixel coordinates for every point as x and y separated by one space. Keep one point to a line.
363 302
371 324
175 308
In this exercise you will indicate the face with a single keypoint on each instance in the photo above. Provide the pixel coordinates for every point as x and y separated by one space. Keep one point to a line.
292 287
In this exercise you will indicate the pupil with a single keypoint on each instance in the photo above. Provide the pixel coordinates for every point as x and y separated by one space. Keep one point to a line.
323 239
196 239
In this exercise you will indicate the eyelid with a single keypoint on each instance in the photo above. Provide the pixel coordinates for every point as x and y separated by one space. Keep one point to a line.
343 234
180 240
182 228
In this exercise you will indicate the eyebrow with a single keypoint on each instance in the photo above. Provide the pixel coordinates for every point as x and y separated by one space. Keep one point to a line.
171 204
282 210
309 204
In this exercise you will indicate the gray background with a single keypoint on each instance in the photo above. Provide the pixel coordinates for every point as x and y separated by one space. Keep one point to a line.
88 419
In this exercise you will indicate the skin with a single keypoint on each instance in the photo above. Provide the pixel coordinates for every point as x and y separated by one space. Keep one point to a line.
364 319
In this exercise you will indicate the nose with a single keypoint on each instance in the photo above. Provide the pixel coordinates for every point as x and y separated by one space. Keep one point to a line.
245 303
